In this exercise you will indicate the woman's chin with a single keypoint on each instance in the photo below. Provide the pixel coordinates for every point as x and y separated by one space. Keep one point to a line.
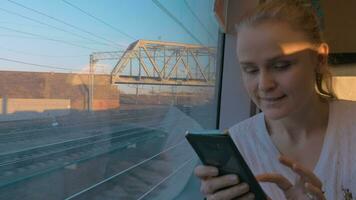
275 114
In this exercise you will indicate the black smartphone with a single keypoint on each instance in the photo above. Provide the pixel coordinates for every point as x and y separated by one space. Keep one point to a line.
216 148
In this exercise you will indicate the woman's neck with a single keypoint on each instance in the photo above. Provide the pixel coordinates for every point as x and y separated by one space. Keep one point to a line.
301 136
308 120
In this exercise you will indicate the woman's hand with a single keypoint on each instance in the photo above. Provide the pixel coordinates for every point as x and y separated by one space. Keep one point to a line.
307 187
225 187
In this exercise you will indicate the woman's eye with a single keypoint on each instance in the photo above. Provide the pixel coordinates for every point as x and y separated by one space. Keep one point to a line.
281 65
250 70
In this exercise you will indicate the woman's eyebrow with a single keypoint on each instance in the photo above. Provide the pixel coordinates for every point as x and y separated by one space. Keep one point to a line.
246 63
275 58
269 60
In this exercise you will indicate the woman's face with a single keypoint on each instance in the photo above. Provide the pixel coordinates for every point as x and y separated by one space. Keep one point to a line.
278 68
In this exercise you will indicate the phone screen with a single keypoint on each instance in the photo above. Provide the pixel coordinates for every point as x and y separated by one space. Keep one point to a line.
220 155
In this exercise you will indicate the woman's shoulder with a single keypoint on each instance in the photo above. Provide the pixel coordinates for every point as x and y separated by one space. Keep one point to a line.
344 106
250 125
344 110
246 134
343 116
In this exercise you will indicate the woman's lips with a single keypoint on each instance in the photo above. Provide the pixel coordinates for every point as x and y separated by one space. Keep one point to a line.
272 99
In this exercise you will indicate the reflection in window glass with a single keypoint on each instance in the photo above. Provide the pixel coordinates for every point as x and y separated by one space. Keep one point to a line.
96 96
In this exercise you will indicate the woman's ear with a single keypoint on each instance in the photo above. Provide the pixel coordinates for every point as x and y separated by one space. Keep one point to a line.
323 54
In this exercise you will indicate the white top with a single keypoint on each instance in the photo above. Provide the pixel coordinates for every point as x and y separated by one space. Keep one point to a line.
336 167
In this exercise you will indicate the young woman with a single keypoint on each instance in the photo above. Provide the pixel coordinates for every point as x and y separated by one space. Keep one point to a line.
304 141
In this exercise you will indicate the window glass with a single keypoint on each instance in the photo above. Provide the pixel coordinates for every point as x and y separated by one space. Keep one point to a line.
96 96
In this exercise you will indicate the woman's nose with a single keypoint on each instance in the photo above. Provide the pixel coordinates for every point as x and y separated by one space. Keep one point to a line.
266 81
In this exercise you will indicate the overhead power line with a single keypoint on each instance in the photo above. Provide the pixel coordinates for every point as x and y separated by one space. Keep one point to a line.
42 55
100 20
33 64
63 22
167 12
46 38
19 36
32 36
199 21
51 26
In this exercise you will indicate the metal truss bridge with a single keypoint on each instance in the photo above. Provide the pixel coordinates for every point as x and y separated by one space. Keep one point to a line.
149 62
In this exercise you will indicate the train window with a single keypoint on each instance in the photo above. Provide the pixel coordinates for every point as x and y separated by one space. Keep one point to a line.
95 97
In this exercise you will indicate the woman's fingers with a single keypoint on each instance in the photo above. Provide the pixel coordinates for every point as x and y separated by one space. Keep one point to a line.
286 161
248 196
305 174
230 193
211 185
310 188
309 184
278 179
203 171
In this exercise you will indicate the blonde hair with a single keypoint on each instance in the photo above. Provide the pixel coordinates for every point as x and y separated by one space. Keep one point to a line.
300 17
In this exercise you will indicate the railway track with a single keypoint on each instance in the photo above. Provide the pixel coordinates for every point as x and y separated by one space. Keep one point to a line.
39 132
141 178
23 164
28 165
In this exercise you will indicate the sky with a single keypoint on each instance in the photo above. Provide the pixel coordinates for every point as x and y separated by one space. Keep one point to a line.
59 35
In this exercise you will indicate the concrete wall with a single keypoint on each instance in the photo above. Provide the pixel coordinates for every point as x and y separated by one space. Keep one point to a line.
104 104
23 109
35 105
74 87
